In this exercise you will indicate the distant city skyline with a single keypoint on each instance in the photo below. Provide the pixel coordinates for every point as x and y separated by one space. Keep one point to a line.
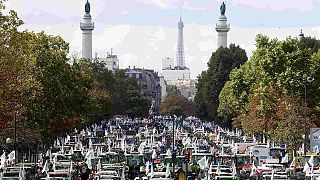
142 32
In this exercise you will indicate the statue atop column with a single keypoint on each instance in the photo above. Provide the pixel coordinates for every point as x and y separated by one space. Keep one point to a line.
223 9
87 7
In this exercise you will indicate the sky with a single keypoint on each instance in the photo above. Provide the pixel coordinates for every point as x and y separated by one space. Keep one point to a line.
142 32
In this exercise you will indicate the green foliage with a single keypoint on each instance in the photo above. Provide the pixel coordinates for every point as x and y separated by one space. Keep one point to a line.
277 70
47 95
211 82
126 97
176 104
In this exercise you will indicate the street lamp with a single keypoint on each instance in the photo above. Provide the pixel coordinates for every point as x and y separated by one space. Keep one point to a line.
8 140
306 80
174 155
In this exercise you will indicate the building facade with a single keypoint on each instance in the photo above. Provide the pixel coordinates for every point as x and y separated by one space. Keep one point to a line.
149 82
167 63
111 61
173 75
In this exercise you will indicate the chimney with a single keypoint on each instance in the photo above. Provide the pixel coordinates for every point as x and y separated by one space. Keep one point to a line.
129 67
96 55
134 67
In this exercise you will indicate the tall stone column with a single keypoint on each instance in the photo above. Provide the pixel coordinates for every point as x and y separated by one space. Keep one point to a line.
222 28
87 26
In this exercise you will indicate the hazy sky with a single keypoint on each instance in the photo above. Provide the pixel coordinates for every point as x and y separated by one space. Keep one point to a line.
142 32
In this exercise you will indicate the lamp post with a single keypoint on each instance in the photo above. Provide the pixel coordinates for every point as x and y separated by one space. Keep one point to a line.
173 150
15 137
306 80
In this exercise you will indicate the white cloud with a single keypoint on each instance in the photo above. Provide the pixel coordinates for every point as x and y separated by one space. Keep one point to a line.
172 4
61 8
111 37
127 60
187 5
124 12
138 46
276 5
165 4
206 45
156 36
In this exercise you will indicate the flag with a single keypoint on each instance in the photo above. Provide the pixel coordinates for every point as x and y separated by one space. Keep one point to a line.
154 154
109 142
285 159
311 161
168 170
254 170
272 175
58 142
218 169
22 174
208 175
123 177
99 166
90 154
90 144
210 168
12 156
234 170
306 169
88 162
3 160
202 162
123 143
147 167
71 167
68 138
152 171
293 163
169 154
316 149
222 150
45 167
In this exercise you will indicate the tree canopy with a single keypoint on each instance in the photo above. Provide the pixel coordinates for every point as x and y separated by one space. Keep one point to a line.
47 93
176 104
211 82
266 95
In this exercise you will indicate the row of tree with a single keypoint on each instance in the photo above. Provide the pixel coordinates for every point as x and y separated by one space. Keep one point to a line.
45 93
275 94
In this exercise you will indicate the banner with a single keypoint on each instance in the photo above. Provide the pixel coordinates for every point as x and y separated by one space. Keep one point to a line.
315 140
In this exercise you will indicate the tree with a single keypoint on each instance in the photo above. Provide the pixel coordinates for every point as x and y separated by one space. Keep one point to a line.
259 94
291 122
176 104
126 96
48 95
17 83
211 82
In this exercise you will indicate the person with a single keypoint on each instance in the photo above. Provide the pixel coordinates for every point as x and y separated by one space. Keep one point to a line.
84 171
